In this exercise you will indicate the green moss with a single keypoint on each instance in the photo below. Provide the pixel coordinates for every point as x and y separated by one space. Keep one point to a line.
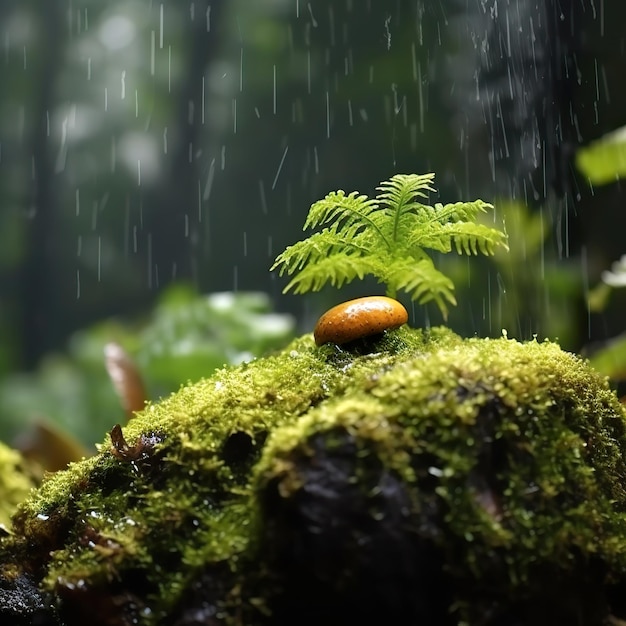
519 448
557 428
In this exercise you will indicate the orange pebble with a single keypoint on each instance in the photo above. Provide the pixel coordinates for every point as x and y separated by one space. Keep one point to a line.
359 318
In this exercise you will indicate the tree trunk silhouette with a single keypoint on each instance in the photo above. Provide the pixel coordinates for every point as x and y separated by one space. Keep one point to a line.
37 280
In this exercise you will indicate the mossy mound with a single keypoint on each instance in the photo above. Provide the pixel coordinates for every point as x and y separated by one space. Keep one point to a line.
416 478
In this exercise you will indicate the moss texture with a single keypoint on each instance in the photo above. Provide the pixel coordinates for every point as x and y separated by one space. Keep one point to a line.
414 478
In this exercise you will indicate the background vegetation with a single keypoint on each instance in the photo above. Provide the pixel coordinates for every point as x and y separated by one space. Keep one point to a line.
149 144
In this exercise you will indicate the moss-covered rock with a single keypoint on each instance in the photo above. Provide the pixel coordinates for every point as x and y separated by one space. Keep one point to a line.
416 478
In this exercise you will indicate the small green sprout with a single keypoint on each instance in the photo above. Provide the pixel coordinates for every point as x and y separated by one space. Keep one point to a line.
387 237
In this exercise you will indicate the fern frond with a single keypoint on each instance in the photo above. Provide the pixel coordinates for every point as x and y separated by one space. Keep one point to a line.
422 281
339 205
318 247
345 211
460 211
467 237
428 236
402 189
470 238
388 237
337 269
399 195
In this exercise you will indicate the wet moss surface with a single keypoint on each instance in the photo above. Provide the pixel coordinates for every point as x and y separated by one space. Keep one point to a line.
413 478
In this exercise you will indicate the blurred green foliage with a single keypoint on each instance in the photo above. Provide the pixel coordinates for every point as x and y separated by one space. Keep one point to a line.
530 290
15 484
186 337
604 161
610 358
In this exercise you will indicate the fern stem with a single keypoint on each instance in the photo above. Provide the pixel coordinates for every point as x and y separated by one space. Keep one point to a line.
396 222
368 220
378 230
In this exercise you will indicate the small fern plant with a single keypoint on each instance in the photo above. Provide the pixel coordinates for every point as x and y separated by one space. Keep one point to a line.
388 237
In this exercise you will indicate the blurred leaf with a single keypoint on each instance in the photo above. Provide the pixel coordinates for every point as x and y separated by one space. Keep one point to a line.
50 448
604 161
15 483
125 378
526 230
598 297
192 335
610 359
529 290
